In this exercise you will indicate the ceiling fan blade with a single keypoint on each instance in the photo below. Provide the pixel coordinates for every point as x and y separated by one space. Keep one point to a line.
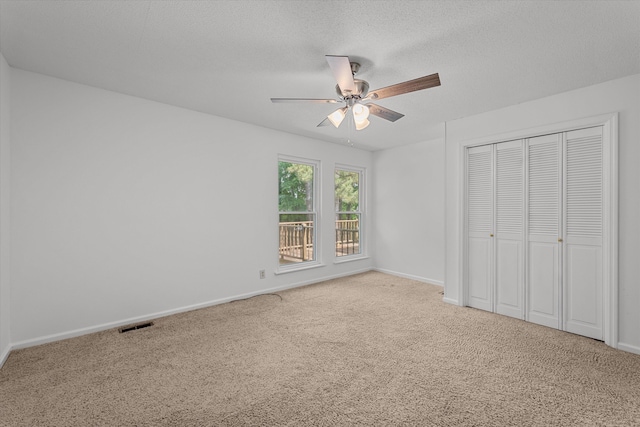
325 122
310 100
384 113
405 87
341 69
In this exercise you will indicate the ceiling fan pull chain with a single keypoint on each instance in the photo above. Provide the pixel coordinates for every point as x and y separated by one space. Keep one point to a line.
350 115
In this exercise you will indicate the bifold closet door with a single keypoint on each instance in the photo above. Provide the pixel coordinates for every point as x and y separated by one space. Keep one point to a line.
479 186
509 228
535 218
544 172
583 232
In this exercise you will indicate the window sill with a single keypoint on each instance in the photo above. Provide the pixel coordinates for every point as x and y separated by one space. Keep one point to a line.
295 268
342 260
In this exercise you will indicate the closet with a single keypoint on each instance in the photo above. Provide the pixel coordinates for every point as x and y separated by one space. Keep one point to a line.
534 229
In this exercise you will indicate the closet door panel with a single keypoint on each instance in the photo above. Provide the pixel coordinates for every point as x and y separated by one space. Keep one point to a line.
583 232
509 278
509 228
583 289
543 282
479 193
543 230
480 273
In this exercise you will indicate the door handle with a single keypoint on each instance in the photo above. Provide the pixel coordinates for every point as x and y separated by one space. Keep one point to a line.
560 239
491 235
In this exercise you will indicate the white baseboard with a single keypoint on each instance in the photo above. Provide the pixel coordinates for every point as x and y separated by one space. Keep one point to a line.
84 331
4 355
628 348
102 327
410 276
450 301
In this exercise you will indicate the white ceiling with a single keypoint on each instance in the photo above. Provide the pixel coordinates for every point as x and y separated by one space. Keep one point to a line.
229 57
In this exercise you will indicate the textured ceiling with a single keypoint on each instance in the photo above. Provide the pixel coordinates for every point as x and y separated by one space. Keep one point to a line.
229 57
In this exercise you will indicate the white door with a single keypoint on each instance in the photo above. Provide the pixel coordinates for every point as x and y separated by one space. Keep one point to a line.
544 168
509 227
479 194
546 200
583 298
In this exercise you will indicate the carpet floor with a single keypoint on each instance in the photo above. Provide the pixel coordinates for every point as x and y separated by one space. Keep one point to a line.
370 349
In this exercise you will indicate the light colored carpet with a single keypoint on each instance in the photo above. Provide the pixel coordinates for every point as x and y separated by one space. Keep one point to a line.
370 349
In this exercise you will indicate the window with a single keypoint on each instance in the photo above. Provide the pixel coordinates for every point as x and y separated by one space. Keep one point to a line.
297 211
348 204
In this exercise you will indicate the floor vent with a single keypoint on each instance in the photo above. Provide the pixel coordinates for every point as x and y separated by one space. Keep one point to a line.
134 327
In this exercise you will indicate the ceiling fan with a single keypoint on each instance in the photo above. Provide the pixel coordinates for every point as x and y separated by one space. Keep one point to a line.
356 96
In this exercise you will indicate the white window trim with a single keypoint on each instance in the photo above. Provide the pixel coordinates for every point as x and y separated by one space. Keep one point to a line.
350 258
317 209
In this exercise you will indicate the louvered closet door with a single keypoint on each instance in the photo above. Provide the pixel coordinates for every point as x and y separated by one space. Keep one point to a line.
543 230
479 186
583 233
509 227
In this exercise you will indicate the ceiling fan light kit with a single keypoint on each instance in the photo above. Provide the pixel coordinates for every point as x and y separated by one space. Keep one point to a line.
361 125
360 115
337 116
355 94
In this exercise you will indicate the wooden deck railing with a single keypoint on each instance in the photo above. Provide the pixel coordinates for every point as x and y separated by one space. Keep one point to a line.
347 237
296 239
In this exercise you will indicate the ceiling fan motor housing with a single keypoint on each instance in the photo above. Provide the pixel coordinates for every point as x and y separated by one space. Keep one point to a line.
361 89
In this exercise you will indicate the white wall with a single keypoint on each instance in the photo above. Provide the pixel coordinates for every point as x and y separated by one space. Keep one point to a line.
5 173
621 95
409 211
125 208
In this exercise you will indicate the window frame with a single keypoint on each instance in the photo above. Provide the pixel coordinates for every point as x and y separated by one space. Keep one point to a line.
315 212
361 212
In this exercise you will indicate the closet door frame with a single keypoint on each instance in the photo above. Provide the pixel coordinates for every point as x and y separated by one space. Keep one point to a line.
609 123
